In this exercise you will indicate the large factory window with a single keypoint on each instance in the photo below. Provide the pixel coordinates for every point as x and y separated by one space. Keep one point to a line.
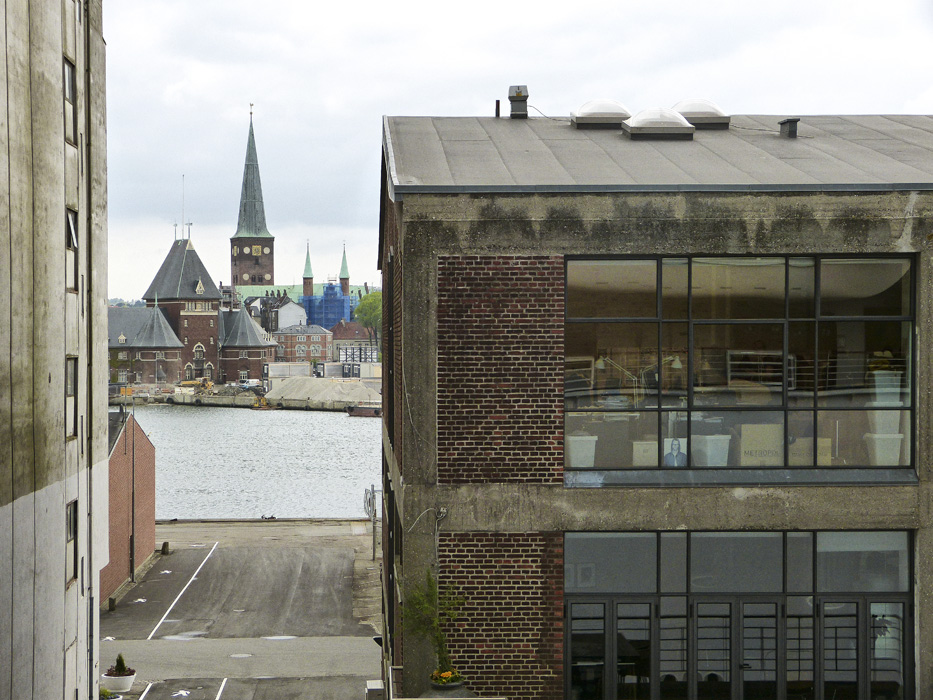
687 370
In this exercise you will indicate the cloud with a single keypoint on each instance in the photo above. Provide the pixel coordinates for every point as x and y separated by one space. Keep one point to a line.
181 77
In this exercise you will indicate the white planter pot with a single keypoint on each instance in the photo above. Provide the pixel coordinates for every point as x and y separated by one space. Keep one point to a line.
117 684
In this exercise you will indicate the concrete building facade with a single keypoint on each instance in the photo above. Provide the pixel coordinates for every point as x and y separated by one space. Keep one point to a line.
654 408
53 330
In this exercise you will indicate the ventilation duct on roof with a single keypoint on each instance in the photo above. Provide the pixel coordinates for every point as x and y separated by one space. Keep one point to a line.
518 97
600 114
658 123
703 114
789 127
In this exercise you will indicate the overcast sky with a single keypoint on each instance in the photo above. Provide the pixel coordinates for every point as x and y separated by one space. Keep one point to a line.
181 76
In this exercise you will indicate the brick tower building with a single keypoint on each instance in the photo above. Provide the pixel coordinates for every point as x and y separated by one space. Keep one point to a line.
252 247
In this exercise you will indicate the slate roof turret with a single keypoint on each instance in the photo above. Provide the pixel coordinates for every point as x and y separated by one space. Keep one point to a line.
140 327
180 274
239 330
252 220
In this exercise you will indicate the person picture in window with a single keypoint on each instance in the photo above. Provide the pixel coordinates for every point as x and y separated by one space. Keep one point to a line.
675 458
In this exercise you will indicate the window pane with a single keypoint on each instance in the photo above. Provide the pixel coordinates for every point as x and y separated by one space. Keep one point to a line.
801 364
888 649
801 286
610 440
633 650
866 438
673 648
610 562
605 364
714 650
739 364
736 562
864 361
674 450
800 648
674 287
840 650
865 287
612 289
759 650
862 562
673 562
671 376
738 288
587 650
799 562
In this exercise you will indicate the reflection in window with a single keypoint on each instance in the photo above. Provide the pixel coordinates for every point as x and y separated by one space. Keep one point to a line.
747 363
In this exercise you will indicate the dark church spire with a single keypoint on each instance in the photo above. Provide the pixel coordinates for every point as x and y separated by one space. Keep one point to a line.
252 220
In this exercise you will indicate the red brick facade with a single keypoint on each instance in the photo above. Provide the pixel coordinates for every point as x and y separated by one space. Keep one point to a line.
500 347
121 498
509 639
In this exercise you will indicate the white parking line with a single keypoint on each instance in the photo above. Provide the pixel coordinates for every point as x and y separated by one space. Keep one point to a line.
221 690
182 591
145 692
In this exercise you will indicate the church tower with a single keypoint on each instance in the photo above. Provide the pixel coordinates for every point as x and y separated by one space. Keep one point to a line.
252 246
308 277
344 275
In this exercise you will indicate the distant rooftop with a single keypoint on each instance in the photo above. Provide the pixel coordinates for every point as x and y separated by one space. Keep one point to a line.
488 154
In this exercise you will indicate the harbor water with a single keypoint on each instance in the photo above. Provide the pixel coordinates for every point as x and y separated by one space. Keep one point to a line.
239 463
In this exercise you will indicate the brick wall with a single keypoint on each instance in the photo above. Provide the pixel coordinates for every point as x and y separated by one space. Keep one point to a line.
500 346
509 638
121 496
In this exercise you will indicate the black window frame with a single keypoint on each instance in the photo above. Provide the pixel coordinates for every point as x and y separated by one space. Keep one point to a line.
820 601
700 476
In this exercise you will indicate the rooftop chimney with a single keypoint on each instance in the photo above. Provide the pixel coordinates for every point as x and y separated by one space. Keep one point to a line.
789 127
518 96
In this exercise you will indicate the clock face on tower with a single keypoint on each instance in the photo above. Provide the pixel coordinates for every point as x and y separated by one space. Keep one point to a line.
265 250
257 250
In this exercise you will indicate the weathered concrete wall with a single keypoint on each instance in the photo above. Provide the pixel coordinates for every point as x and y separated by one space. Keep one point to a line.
432 227
44 616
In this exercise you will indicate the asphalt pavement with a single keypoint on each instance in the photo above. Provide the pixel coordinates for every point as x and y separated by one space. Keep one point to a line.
248 610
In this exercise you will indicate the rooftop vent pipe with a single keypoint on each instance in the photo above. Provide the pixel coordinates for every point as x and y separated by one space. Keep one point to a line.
518 97
789 127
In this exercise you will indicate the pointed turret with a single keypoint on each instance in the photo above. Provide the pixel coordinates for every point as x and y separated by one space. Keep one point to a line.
252 219
308 276
252 246
344 275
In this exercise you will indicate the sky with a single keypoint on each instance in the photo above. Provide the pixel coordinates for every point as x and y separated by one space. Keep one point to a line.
181 77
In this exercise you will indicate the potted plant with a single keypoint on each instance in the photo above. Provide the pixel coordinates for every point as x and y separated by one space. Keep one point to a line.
105 694
119 677
427 610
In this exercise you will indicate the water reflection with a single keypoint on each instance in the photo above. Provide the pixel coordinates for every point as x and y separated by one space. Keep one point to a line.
238 463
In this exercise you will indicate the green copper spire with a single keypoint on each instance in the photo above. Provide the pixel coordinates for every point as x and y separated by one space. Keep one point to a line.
344 271
308 274
252 220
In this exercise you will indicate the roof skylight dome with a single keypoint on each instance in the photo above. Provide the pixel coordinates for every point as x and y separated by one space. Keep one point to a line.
703 114
600 114
658 123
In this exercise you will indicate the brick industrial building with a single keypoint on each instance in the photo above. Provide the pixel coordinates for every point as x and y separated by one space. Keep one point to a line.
131 502
653 403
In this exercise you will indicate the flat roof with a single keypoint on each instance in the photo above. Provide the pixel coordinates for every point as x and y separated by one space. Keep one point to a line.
489 154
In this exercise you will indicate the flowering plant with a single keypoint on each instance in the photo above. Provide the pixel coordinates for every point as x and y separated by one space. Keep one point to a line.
445 677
